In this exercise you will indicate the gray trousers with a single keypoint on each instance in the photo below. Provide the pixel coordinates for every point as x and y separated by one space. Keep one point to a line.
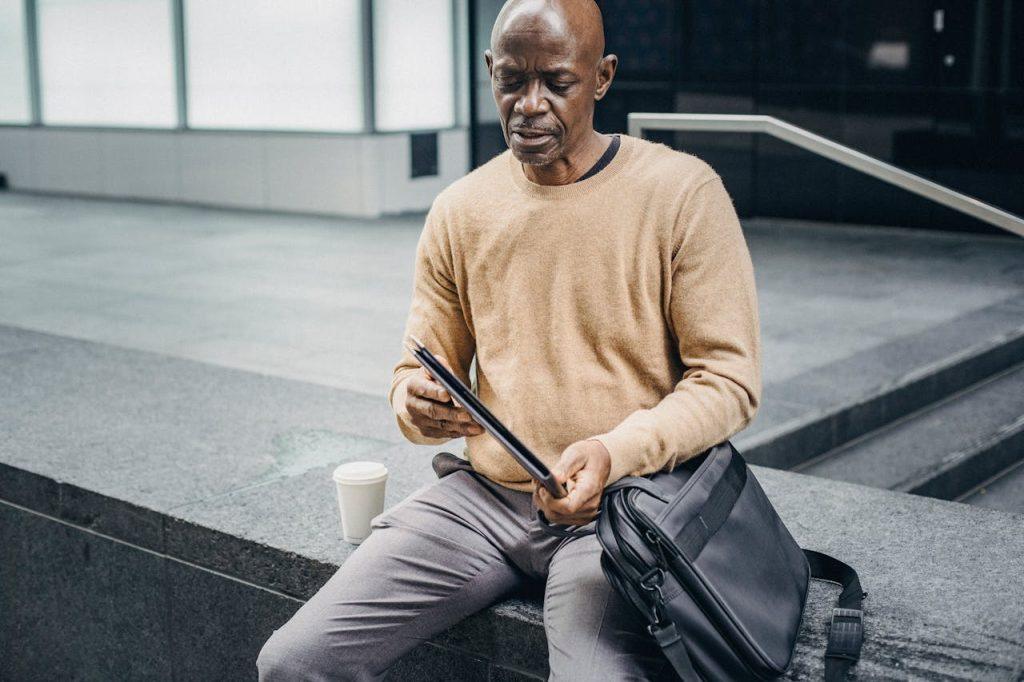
441 555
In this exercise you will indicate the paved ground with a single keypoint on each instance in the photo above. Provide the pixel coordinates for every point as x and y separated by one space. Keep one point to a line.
324 300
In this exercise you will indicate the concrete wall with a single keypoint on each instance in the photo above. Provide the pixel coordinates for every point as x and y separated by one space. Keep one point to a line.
349 175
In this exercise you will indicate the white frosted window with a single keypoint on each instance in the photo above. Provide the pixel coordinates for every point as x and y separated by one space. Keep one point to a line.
14 102
270 64
107 62
414 74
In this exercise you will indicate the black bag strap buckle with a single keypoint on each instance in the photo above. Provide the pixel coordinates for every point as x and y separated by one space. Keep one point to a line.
652 579
845 634
664 632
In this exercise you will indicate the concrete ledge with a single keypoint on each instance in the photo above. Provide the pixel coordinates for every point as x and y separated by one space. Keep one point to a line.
197 501
945 599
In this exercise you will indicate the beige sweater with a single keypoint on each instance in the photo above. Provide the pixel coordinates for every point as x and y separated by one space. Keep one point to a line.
620 308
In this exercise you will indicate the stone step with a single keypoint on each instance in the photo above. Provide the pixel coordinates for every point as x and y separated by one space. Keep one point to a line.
809 415
1004 491
942 450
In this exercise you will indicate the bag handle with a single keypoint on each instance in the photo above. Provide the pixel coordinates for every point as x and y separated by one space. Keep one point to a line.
639 482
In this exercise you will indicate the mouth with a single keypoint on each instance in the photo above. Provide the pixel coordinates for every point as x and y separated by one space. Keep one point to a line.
526 137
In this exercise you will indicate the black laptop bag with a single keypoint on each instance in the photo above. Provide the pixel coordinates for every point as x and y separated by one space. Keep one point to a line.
720 583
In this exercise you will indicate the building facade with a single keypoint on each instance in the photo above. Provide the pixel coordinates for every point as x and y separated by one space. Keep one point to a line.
935 88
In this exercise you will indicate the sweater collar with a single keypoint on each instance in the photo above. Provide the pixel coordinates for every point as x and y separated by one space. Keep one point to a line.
573 189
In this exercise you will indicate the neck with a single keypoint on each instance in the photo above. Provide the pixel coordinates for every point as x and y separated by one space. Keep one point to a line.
569 168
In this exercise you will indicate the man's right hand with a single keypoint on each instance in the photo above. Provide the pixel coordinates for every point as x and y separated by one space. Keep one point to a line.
433 411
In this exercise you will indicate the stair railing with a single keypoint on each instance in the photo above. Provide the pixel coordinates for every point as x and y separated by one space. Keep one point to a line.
851 158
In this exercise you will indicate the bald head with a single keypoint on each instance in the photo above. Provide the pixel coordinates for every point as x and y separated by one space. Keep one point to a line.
579 21
548 68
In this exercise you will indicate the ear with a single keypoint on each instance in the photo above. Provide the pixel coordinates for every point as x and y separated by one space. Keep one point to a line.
489 58
605 74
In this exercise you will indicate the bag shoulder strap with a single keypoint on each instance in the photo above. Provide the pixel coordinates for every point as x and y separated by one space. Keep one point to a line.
674 648
846 629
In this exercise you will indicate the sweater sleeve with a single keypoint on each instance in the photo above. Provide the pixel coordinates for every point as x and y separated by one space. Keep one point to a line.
713 315
435 317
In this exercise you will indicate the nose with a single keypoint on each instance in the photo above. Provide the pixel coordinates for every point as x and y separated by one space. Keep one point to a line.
533 102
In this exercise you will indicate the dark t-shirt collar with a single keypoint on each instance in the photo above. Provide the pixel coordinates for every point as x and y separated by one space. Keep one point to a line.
605 159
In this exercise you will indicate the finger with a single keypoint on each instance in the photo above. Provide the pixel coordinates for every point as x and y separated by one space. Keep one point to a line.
459 428
569 463
431 409
448 429
464 416
434 392
576 463
585 487
438 430
425 386
586 512
564 506
584 497
455 414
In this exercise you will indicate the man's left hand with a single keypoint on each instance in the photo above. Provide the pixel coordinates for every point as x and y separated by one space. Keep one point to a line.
583 469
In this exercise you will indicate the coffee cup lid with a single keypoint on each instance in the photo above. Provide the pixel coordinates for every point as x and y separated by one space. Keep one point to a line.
360 472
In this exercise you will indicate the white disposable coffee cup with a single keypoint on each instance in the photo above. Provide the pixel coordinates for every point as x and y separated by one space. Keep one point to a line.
360 497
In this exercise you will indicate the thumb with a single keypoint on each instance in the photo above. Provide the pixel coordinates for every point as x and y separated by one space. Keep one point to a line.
569 463
444 361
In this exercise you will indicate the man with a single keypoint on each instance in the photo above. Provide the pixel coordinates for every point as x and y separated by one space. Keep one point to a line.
605 287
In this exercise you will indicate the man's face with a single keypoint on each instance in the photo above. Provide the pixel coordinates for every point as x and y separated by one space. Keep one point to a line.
544 91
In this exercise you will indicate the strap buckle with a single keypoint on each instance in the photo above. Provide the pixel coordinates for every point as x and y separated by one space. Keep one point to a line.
664 632
652 579
845 634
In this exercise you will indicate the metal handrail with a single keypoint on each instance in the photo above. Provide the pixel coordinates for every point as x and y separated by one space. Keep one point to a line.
851 158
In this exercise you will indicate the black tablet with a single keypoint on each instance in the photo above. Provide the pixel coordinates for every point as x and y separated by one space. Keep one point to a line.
465 397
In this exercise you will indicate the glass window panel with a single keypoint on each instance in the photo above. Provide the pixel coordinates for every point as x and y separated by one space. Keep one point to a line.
14 96
267 64
107 62
413 64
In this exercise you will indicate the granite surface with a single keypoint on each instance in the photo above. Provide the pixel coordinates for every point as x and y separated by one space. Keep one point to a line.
946 448
1006 493
218 488
813 412
72 605
227 470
